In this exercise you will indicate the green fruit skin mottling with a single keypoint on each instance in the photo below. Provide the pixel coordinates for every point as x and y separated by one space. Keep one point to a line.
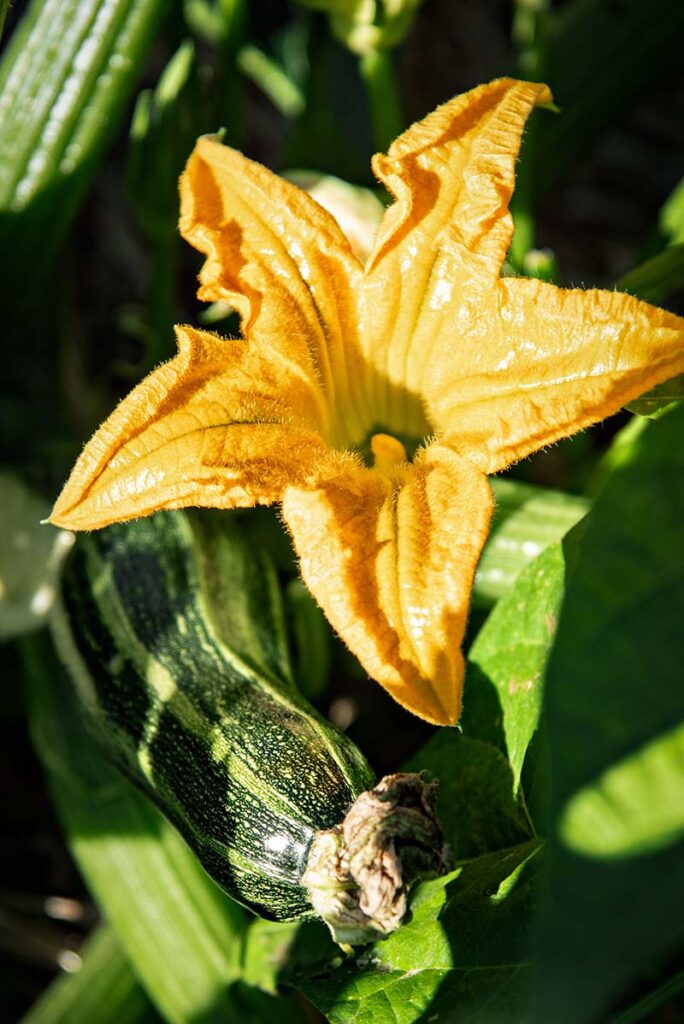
231 753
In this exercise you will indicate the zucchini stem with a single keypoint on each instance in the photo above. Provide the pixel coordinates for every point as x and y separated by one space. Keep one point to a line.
358 873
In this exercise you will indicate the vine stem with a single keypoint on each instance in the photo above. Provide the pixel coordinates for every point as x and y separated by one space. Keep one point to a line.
384 103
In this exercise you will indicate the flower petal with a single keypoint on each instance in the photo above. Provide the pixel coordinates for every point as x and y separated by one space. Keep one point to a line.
217 426
449 230
533 363
391 562
283 262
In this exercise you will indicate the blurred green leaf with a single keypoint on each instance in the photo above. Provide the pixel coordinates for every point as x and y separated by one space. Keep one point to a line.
462 958
509 655
179 931
65 78
636 805
527 519
161 138
215 20
104 989
671 220
163 131
612 705
656 278
599 57
273 80
30 556
366 27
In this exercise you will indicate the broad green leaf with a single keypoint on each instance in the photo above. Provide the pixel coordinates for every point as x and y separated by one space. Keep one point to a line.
476 802
527 519
104 989
612 717
65 78
30 556
507 660
462 958
635 807
620 452
164 909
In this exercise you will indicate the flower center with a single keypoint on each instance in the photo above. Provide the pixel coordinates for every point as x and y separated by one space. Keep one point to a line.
388 453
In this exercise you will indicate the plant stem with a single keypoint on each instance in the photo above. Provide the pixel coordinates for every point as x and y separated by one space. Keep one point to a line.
377 71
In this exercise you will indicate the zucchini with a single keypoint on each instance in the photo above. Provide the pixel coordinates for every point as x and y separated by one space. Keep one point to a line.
171 628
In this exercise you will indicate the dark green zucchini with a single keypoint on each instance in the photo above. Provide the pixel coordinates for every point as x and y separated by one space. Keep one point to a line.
171 628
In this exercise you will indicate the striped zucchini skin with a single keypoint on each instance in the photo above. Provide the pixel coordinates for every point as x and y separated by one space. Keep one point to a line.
172 629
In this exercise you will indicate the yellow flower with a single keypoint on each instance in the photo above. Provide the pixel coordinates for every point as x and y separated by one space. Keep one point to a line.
426 342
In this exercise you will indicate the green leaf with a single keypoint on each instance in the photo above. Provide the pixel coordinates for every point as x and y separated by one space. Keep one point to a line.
65 78
656 278
104 989
507 660
163 131
634 807
164 909
654 401
30 557
527 519
612 714
671 220
279 954
476 805
462 958
273 80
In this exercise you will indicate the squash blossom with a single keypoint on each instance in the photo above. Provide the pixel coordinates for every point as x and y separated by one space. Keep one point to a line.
371 401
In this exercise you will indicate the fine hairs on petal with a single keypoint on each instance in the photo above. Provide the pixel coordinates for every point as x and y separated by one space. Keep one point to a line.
426 341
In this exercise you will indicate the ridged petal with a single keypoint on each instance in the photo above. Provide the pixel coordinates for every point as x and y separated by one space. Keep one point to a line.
221 425
534 363
445 237
391 562
284 263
